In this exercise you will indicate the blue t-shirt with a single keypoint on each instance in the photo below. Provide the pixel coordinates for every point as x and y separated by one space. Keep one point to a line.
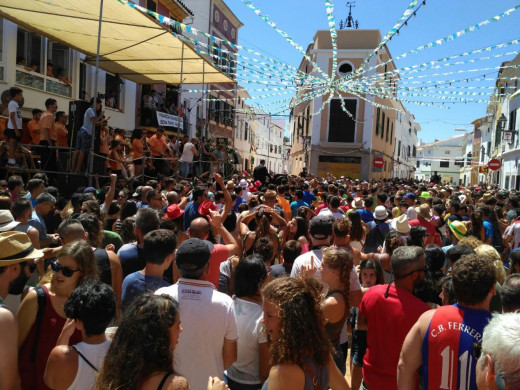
136 284
132 259
308 197
488 229
33 200
238 202
38 223
296 205
366 215
191 212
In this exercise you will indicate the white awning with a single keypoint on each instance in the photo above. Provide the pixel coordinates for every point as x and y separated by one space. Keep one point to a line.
132 44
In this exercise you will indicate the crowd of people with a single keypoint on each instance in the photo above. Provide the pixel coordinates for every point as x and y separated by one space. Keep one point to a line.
130 155
283 282
189 278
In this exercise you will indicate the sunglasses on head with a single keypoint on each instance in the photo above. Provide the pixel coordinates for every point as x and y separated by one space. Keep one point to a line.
67 272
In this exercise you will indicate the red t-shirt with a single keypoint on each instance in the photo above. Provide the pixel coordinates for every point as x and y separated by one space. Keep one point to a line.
389 320
219 254
429 228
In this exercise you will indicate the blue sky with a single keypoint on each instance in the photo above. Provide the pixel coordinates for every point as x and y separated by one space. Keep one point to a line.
300 19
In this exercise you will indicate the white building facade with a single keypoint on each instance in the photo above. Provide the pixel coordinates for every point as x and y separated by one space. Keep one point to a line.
440 156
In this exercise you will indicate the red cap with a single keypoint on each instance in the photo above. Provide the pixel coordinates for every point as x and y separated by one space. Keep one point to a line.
174 211
206 206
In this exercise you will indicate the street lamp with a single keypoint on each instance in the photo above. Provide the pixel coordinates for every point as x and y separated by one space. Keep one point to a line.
508 135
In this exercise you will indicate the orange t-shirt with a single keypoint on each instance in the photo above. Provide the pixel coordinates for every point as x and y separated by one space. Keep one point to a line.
286 207
47 122
61 134
34 131
103 146
115 165
137 148
3 126
159 144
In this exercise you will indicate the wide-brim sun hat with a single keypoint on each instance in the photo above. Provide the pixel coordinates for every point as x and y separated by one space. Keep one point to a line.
358 203
424 211
401 225
380 213
16 247
7 221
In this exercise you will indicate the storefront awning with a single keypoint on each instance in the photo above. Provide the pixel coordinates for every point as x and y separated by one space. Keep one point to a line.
133 46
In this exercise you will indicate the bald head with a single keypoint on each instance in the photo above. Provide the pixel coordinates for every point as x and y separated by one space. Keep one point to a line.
172 197
199 228
144 192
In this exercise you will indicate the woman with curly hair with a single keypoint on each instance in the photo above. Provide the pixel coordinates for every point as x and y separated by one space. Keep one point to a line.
141 353
336 266
38 334
299 346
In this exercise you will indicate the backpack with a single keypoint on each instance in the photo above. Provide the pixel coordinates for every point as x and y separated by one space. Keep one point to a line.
374 239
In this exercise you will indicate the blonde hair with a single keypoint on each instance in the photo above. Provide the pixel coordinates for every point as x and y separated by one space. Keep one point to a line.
492 254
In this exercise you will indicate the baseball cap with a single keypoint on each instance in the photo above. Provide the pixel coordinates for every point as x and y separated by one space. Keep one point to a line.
137 192
193 254
243 183
320 226
409 195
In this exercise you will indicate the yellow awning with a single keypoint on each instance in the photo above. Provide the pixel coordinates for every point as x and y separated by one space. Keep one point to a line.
132 44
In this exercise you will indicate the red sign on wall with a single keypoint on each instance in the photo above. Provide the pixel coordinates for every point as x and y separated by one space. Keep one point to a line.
494 164
379 162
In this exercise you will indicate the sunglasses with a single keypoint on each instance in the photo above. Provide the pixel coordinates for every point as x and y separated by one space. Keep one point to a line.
67 272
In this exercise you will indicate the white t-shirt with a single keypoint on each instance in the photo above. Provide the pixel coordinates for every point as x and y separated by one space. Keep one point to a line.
88 125
336 214
317 253
14 107
250 334
246 195
207 318
187 154
514 230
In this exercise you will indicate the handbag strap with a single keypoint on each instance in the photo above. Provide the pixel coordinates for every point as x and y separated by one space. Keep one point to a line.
308 369
85 359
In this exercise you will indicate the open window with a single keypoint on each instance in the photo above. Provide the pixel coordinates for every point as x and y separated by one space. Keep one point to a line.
114 92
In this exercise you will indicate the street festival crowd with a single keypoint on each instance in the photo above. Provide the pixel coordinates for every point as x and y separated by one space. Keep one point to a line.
256 280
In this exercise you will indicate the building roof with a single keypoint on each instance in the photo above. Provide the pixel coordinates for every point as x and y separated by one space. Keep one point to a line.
442 141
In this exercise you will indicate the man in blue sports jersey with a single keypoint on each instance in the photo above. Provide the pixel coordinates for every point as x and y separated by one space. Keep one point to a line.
442 340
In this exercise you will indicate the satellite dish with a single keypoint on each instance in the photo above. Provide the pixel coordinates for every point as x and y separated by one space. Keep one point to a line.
6 97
